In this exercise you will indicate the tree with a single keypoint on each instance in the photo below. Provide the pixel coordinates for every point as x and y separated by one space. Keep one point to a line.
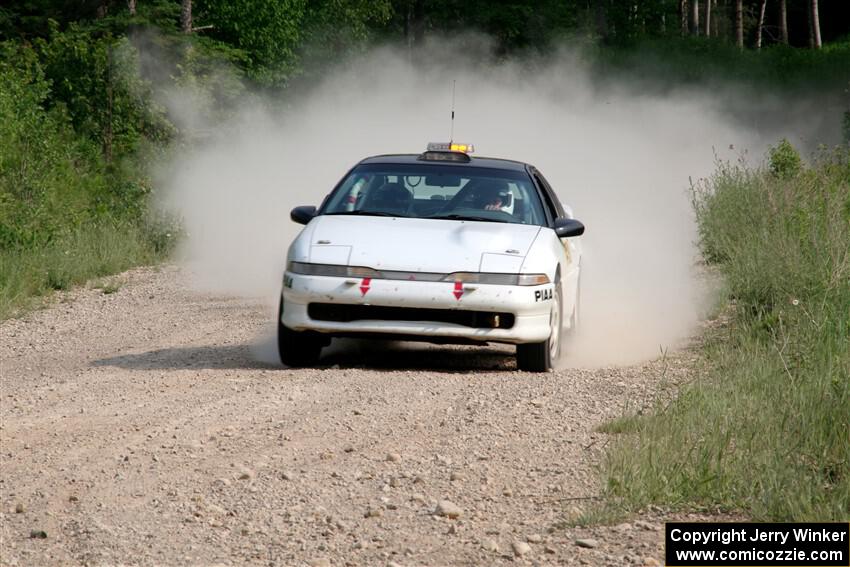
600 16
783 21
715 22
760 27
814 25
267 34
131 6
694 24
331 28
683 16
708 18
414 22
739 23
186 16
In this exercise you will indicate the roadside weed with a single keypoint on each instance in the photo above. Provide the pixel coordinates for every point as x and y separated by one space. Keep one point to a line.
765 430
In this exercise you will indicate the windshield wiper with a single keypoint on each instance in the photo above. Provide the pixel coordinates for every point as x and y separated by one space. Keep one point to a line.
368 213
455 216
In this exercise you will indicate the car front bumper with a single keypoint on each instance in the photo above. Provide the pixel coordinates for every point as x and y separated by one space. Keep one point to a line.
530 307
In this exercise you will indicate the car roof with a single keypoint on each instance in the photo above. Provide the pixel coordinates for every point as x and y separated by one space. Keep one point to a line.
492 163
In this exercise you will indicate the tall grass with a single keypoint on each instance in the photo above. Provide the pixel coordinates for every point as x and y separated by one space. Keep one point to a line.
765 428
90 251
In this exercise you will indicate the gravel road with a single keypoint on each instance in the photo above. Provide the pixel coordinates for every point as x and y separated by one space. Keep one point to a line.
143 427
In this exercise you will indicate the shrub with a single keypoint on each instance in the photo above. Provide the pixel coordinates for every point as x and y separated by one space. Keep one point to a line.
784 160
67 213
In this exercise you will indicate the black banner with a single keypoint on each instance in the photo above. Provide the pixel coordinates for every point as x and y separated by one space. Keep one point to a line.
744 544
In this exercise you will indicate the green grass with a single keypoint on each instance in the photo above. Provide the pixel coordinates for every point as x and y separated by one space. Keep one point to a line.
765 429
27 276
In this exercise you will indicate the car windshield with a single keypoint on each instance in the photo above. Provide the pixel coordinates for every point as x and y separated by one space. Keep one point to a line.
437 191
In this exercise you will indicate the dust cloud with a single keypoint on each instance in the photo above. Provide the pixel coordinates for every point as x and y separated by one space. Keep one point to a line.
621 160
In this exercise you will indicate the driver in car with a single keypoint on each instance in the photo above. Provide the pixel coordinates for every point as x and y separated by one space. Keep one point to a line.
494 197
495 204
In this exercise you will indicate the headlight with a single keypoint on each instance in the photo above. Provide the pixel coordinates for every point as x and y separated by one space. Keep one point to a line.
333 270
497 279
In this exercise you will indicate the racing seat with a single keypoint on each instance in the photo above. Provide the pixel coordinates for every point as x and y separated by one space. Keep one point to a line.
391 198
521 211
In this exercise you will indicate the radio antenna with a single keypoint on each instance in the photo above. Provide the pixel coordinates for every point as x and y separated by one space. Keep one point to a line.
452 132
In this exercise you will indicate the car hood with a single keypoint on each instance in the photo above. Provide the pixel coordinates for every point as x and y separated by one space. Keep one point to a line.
420 245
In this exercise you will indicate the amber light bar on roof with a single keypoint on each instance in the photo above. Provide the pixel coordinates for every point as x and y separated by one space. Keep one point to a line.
450 147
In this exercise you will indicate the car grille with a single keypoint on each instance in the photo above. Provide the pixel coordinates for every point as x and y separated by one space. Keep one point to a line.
341 313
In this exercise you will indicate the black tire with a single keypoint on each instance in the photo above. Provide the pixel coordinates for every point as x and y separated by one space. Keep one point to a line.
542 356
297 349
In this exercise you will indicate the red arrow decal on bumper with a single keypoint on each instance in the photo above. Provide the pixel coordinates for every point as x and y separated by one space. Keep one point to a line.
364 285
458 292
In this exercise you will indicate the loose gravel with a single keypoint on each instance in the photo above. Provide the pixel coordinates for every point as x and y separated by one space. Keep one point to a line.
142 427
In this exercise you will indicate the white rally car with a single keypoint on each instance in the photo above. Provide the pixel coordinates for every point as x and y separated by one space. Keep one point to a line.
440 247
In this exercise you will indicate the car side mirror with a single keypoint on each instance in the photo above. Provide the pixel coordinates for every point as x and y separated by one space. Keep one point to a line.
565 227
303 214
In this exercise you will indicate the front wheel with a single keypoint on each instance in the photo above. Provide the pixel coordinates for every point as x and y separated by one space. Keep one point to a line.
542 356
297 348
